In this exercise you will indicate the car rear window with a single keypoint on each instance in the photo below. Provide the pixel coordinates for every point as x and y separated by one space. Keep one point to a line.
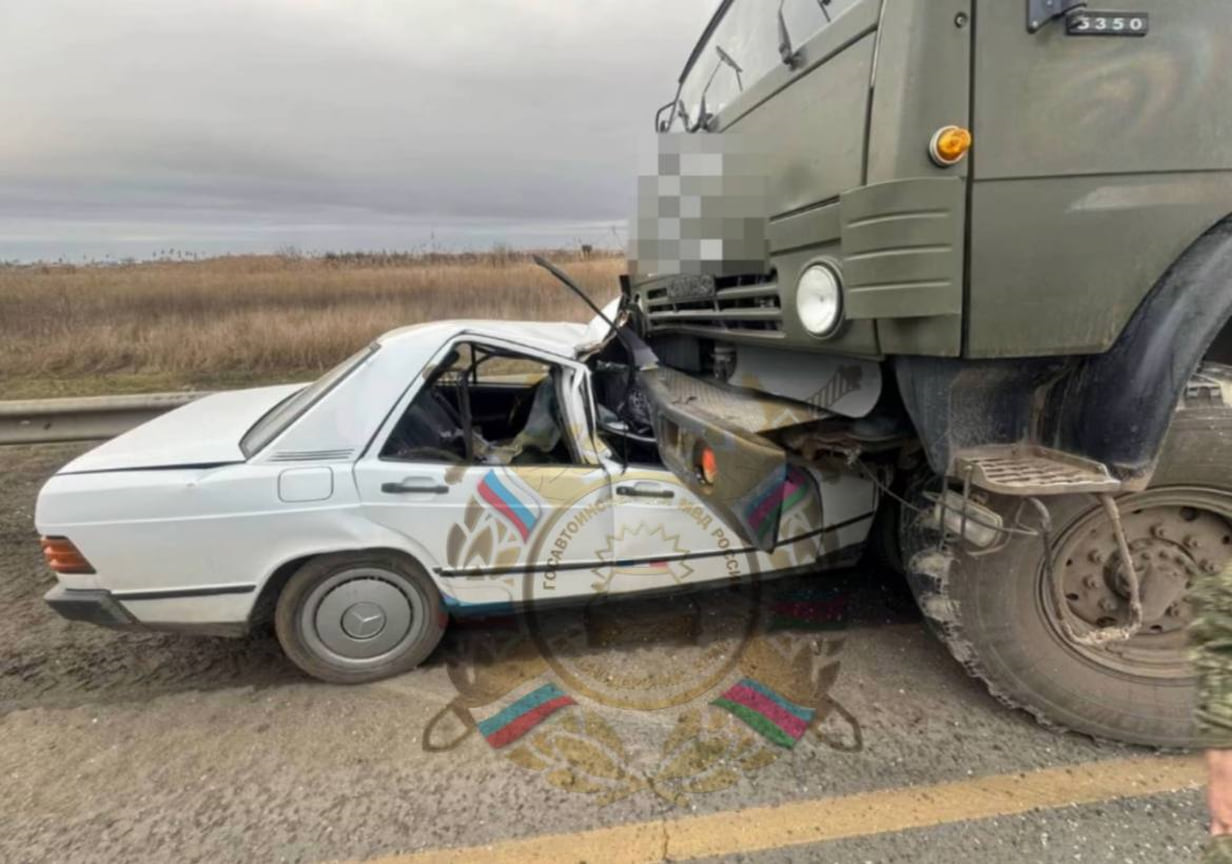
286 412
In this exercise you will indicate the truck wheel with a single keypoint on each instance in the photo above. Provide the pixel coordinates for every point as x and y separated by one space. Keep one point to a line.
998 616
359 616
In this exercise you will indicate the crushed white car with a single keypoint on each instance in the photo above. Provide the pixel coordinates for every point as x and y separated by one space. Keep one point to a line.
450 468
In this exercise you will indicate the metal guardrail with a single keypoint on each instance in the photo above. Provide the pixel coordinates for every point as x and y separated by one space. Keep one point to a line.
88 418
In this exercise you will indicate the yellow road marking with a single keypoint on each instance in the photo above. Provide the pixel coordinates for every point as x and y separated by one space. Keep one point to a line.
815 821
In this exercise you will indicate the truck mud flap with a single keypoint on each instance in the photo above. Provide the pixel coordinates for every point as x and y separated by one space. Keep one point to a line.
750 481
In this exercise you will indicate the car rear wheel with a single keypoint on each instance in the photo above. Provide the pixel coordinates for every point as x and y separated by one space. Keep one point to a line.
359 616
1000 614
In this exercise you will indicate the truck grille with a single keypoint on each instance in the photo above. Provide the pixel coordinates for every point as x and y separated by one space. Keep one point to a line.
739 306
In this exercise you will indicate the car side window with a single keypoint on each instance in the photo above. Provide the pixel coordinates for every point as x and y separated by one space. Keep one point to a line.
485 406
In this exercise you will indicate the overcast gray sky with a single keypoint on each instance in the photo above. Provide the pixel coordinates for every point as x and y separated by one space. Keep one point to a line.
132 126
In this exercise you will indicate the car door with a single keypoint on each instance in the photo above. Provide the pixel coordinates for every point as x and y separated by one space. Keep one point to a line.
663 537
668 537
499 527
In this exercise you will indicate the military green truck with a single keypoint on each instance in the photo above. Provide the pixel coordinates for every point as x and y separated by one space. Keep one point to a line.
994 255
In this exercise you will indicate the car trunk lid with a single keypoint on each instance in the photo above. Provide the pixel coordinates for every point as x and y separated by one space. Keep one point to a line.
205 432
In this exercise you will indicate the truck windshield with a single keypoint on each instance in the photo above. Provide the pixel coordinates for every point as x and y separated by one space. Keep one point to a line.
744 34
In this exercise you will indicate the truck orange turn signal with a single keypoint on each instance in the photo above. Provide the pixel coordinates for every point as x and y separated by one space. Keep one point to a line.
950 145
708 466
63 557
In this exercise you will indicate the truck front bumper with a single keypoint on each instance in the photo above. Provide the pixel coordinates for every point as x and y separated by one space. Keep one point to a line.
693 414
94 606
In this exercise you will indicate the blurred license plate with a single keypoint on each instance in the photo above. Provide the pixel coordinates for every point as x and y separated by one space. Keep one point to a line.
1108 24
685 289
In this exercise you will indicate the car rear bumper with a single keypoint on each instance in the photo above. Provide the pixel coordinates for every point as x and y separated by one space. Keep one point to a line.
93 606
101 607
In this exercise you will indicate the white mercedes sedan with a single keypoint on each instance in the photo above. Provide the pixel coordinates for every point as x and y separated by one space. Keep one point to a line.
450 468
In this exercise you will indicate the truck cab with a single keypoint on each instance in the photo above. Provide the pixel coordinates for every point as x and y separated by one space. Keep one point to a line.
989 244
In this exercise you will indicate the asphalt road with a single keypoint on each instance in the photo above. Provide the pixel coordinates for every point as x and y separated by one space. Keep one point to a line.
140 747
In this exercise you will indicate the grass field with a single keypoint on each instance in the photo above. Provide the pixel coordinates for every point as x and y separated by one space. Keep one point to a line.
237 321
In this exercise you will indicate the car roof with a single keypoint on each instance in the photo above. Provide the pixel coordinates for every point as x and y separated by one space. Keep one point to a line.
561 338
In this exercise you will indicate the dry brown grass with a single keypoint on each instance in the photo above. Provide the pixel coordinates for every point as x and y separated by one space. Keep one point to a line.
236 320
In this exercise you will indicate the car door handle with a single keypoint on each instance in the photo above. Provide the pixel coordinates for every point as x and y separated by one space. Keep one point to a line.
415 486
641 491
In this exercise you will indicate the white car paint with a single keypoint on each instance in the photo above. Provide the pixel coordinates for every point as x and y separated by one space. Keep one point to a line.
184 529
199 433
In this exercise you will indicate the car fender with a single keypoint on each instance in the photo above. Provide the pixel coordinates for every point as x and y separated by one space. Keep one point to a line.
351 532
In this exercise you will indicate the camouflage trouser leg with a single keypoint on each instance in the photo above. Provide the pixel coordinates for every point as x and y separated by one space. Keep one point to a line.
1211 633
1218 851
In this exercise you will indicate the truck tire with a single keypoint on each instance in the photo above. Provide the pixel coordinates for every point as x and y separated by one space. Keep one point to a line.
997 613
354 617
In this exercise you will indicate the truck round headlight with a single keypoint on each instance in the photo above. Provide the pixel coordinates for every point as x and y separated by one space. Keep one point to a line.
819 300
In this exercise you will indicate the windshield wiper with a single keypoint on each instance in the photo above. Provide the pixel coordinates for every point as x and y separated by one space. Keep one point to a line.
683 111
704 116
727 59
790 56
678 110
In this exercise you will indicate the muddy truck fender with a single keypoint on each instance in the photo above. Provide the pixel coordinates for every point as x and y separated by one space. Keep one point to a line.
1112 408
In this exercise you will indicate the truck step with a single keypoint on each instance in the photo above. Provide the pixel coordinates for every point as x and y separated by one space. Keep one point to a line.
1022 469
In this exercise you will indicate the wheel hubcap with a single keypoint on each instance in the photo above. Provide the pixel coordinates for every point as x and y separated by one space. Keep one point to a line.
1176 536
364 620
362 616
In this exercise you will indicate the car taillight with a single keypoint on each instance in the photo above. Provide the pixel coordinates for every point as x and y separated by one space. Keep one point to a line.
63 557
